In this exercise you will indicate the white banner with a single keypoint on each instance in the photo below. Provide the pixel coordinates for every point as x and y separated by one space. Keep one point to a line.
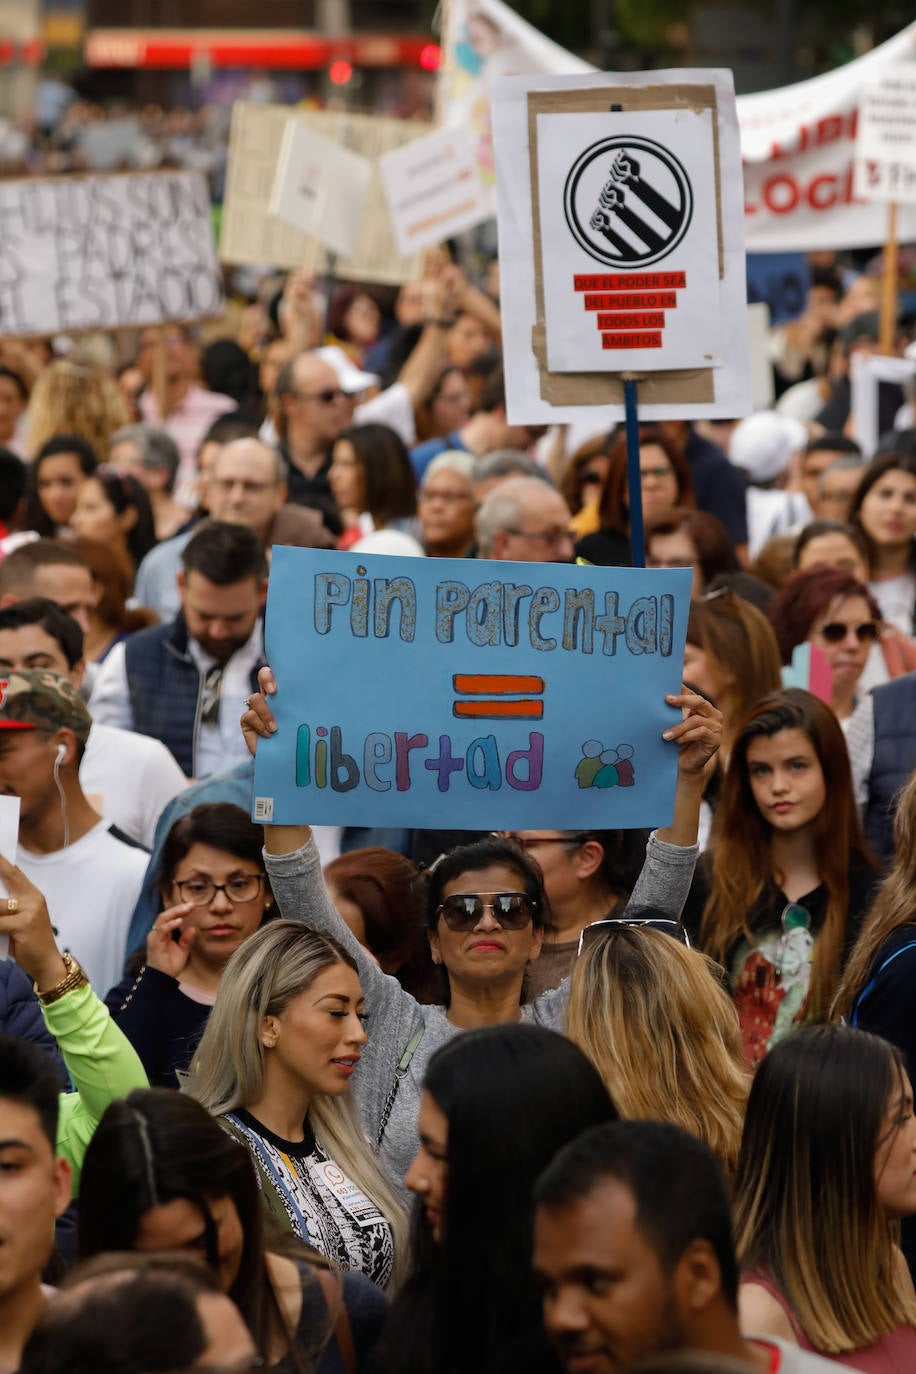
797 142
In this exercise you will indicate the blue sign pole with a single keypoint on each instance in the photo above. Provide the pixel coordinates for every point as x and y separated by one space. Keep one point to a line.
634 482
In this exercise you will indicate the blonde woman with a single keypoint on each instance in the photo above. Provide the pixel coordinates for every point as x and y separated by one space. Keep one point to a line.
825 1174
662 1031
275 1061
75 398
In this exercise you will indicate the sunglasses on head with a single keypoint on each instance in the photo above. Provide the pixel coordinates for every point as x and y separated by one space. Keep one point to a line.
463 910
836 632
602 930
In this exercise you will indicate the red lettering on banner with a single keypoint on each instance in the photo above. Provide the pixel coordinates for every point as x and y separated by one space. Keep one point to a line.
650 300
783 193
826 201
646 319
631 281
828 130
774 200
631 340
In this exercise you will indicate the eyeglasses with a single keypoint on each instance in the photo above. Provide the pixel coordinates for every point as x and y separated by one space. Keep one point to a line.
601 930
225 485
464 910
659 473
551 537
836 632
201 891
325 398
532 841
451 498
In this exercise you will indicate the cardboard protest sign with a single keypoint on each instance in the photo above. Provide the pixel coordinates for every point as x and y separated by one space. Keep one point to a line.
878 385
469 695
434 189
249 234
596 285
101 252
885 166
320 187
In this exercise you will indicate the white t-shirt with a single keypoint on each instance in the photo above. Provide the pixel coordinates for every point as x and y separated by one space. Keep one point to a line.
91 888
130 778
792 1359
896 597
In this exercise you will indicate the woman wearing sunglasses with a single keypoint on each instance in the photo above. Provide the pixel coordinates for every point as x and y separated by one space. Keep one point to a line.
826 1171
779 898
486 912
214 894
834 611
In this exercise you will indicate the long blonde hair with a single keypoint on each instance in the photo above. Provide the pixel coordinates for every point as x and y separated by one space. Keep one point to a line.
894 905
663 1033
75 398
271 967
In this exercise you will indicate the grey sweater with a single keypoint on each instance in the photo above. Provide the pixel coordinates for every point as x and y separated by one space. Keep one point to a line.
394 1016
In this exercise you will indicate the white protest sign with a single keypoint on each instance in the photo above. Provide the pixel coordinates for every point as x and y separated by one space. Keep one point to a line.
717 384
629 265
885 165
9 839
869 374
434 189
100 252
320 187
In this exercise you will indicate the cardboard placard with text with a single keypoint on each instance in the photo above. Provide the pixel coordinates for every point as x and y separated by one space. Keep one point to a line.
320 187
885 165
434 189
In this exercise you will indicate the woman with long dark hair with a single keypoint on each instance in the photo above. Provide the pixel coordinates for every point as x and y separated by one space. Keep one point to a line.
113 508
779 898
665 482
58 470
161 1174
825 1173
497 1104
884 510
375 488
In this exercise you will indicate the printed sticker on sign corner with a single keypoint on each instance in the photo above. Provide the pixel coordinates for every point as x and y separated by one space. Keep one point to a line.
633 234
264 809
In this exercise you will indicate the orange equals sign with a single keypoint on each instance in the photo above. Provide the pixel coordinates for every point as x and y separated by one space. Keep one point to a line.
490 695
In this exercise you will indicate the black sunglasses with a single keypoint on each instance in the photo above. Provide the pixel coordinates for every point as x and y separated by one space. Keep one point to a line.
601 930
836 632
463 910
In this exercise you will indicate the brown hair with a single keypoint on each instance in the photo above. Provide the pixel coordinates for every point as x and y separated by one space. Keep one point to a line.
113 578
740 639
612 503
707 534
806 596
741 862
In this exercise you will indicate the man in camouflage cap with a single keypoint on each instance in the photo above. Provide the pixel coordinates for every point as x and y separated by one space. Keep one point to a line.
90 879
34 699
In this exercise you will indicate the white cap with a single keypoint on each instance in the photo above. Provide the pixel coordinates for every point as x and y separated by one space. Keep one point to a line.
764 443
352 379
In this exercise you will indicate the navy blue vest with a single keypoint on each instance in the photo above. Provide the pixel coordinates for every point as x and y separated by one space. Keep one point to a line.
893 762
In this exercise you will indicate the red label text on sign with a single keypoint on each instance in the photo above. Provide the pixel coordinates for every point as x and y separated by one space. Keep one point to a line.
631 340
646 319
631 281
641 300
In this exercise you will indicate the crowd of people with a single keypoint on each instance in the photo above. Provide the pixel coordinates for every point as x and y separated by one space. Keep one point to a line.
372 1099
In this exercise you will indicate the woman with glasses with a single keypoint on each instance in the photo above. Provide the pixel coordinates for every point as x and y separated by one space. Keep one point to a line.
838 614
825 1174
486 912
665 482
214 896
779 897
497 1105
656 1021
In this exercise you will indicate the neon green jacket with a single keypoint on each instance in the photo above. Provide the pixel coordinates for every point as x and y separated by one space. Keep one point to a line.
102 1064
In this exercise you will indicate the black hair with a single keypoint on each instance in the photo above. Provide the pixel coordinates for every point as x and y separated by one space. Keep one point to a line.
12 375
816 528
675 1179
888 462
228 370
832 441
225 554
13 480
512 1095
158 1145
35 516
53 619
219 824
124 492
470 858
29 1077
138 1321
828 277
235 424
18 569
493 392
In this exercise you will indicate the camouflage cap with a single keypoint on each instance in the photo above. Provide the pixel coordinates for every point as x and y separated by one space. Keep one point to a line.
34 699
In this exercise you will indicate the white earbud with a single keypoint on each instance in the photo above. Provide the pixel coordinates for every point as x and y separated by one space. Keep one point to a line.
61 753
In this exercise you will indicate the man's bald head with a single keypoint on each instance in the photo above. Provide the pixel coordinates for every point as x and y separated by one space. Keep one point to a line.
246 485
313 409
526 520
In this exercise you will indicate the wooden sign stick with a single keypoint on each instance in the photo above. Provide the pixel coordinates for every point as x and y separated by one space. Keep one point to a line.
888 328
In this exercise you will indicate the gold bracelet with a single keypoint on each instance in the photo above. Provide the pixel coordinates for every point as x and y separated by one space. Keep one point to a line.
75 978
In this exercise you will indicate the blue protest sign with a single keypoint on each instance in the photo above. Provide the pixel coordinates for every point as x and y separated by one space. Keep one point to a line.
469 694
